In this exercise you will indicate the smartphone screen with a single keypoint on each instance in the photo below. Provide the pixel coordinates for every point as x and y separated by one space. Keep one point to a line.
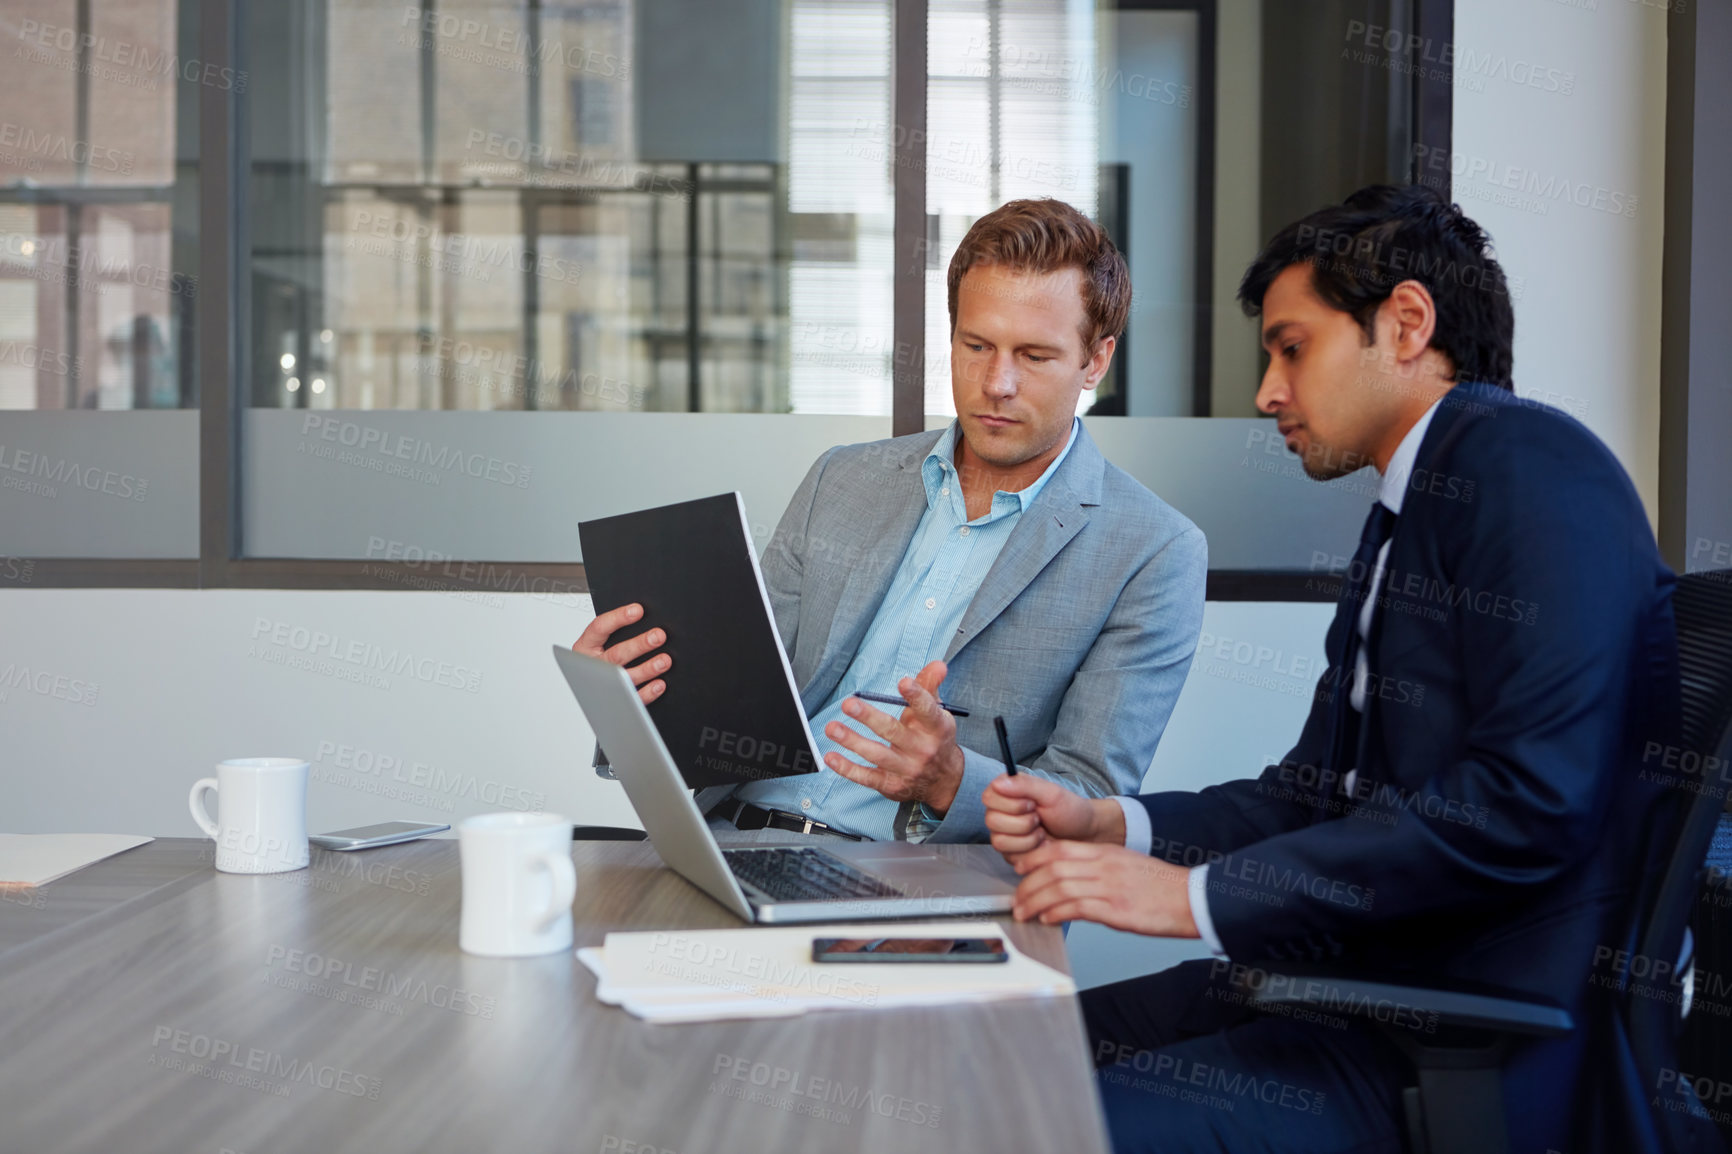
909 950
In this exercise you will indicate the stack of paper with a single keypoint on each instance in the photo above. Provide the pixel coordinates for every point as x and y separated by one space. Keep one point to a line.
35 859
705 975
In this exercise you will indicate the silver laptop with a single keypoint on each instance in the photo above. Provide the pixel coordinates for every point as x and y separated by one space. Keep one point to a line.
824 881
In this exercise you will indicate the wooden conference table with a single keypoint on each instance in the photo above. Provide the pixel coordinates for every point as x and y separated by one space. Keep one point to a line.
149 1003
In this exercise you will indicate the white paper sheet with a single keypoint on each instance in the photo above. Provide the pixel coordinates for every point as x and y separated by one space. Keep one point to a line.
691 976
34 859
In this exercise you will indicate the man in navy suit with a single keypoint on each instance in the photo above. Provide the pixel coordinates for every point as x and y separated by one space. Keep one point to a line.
1465 800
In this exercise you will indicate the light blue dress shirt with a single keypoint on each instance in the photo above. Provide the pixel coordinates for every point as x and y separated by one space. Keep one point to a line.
946 561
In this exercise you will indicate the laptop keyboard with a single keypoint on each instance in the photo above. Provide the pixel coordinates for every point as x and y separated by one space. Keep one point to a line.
799 874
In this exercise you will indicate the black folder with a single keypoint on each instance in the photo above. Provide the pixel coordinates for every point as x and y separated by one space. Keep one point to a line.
731 712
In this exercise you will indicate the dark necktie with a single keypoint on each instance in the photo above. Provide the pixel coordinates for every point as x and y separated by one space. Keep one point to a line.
1343 730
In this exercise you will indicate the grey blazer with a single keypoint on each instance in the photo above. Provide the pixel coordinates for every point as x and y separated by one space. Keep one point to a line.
1080 635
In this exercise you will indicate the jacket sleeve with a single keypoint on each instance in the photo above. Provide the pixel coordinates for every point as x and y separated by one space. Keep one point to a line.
1118 703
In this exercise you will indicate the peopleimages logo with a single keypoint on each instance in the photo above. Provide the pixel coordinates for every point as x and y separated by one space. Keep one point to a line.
1265 881
797 1084
363 657
1465 66
27 148
339 972
1041 70
226 1061
1325 994
17 569
399 447
463 37
1540 189
758 973
459 253
1710 554
40 358
44 473
371 771
44 683
1198 1083
551 167
123 62
96 266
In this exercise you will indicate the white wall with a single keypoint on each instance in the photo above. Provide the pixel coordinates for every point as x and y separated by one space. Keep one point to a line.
183 679
1588 314
113 702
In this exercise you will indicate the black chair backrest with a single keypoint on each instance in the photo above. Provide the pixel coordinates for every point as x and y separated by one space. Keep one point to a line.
1703 606
1703 766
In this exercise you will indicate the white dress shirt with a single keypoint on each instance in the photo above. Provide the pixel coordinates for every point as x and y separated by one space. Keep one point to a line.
1139 835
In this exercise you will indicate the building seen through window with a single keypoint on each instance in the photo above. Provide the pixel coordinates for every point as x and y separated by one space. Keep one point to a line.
98 204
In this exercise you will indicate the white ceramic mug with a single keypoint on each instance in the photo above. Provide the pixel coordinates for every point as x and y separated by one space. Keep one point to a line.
261 825
518 883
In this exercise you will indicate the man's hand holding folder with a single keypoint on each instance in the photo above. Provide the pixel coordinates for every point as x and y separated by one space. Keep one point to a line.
646 675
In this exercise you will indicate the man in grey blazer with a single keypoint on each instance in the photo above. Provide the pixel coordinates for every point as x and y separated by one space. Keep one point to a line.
1000 566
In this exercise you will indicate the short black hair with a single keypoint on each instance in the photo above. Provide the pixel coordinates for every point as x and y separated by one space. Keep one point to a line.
1382 235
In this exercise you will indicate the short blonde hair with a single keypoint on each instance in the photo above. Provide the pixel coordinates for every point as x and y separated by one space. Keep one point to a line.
1047 235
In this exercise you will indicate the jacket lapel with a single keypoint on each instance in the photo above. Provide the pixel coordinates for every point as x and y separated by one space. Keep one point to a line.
1444 425
1057 515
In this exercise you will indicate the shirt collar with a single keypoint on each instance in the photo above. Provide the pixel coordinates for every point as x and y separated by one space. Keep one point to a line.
1401 461
940 467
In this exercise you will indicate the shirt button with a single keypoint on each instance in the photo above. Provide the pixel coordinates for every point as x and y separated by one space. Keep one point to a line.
932 603
944 492
965 530
805 803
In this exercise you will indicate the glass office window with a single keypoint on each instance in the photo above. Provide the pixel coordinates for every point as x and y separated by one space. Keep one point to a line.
99 278
1095 105
839 199
624 205
668 223
614 215
97 284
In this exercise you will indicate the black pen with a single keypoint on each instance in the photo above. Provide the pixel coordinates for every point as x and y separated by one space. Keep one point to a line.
886 699
1004 746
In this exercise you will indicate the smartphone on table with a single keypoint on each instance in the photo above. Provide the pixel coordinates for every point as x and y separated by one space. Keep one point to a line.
909 950
370 836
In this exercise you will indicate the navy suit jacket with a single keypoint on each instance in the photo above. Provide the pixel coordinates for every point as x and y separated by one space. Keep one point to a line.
1500 830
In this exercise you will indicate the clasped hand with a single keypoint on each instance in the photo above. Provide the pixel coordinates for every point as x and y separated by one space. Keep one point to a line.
1070 853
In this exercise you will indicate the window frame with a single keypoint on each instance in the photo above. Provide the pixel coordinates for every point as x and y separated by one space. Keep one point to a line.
224 305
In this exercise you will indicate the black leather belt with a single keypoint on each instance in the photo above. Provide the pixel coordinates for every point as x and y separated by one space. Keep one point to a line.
746 816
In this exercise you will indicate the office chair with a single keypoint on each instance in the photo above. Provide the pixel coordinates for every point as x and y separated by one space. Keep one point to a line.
1706 1047
1457 1105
